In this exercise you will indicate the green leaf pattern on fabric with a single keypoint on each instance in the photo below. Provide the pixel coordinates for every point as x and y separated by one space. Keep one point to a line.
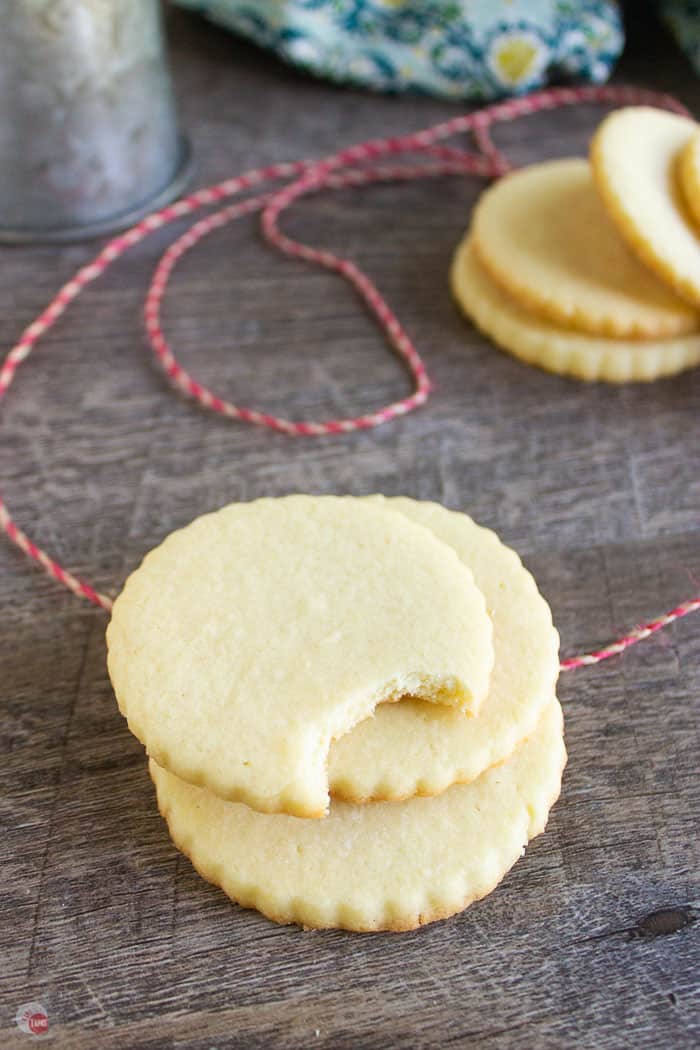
467 49
683 17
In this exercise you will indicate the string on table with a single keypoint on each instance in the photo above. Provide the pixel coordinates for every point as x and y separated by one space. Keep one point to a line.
353 166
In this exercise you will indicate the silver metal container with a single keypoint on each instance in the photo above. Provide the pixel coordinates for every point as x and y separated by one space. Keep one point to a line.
89 138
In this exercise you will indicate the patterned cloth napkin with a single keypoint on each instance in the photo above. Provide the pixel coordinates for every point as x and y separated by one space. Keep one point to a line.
474 49
683 17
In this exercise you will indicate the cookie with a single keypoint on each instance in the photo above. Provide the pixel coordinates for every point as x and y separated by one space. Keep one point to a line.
543 235
688 173
251 638
556 349
383 866
634 156
416 748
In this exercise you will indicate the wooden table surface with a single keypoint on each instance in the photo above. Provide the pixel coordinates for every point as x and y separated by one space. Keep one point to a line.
592 939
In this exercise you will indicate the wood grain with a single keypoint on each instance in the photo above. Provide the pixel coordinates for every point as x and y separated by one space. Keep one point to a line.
592 940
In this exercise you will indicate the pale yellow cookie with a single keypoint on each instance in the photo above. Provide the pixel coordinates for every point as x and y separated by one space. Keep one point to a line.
383 866
634 154
558 349
543 234
249 640
689 175
415 748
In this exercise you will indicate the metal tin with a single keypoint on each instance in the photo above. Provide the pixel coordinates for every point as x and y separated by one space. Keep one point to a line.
89 140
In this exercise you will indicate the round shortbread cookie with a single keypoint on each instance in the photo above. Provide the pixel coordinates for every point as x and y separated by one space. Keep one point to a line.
556 349
543 234
250 639
689 175
414 748
634 155
383 866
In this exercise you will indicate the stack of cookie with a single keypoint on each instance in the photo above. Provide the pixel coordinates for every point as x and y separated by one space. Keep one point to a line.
349 705
592 269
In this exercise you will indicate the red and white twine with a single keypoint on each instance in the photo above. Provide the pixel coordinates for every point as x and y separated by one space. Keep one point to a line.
355 166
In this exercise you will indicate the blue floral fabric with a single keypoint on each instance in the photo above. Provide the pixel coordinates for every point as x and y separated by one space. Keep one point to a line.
474 49
683 16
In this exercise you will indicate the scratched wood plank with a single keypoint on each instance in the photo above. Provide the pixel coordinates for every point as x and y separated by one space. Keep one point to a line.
592 940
